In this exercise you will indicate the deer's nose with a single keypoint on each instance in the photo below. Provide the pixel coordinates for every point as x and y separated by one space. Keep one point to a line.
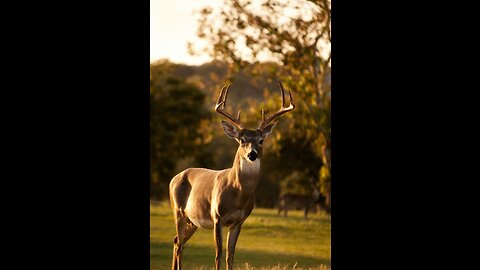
252 155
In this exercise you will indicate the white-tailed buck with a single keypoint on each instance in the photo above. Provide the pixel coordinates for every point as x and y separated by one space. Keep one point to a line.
212 199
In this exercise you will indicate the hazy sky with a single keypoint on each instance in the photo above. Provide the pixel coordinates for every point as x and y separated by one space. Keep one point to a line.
172 24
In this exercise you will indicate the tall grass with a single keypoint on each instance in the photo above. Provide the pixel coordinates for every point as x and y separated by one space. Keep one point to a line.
267 241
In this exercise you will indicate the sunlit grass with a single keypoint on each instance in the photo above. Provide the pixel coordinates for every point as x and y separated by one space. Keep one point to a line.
267 241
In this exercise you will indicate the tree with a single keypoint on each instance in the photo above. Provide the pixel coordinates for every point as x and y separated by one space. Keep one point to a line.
176 113
295 34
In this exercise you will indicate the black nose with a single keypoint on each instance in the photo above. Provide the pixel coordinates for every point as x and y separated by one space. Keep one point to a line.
252 155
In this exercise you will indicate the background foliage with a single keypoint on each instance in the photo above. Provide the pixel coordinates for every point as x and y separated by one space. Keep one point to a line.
185 131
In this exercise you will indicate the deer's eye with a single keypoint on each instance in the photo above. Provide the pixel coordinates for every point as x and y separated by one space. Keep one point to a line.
261 141
242 141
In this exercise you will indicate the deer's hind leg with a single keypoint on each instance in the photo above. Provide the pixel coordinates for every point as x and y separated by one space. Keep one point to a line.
189 231
181 226
185 230
179 192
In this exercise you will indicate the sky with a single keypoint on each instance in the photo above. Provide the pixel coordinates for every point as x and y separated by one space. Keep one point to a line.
172 25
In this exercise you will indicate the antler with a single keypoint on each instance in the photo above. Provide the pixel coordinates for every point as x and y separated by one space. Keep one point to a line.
280 112
220 106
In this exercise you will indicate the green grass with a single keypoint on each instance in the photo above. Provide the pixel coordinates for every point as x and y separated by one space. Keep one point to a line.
267 241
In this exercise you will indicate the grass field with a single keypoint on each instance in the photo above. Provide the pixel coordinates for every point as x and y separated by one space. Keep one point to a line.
267 241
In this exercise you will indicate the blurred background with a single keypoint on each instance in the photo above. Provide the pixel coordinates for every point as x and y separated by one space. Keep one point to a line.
199 46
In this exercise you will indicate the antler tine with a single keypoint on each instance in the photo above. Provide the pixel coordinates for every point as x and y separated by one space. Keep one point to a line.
220 106
221 100
225 100
279 112
283 93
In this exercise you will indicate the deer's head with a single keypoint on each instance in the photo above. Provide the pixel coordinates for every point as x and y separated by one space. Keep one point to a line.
250 141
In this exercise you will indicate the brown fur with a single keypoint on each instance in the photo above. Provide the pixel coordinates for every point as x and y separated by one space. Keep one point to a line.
213 199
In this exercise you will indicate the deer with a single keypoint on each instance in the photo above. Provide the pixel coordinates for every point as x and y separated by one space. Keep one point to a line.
212 199
313 202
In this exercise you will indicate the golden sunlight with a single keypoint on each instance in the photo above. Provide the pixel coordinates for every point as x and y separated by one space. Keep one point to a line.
172 25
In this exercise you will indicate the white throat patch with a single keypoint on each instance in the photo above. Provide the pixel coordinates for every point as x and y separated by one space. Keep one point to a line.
250 167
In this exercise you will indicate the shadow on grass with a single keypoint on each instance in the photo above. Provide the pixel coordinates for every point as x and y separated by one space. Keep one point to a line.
195 256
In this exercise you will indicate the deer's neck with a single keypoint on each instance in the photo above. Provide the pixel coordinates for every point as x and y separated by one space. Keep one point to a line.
245 174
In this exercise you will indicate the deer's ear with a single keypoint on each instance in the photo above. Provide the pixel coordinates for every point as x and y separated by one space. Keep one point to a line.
230 130
266 131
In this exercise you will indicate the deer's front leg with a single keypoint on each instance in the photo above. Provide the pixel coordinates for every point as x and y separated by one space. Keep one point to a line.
232 237
217 233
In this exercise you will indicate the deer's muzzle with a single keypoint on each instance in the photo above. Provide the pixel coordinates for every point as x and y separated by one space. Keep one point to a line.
252 156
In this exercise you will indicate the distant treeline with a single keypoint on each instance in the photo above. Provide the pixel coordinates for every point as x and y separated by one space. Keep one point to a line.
185 131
